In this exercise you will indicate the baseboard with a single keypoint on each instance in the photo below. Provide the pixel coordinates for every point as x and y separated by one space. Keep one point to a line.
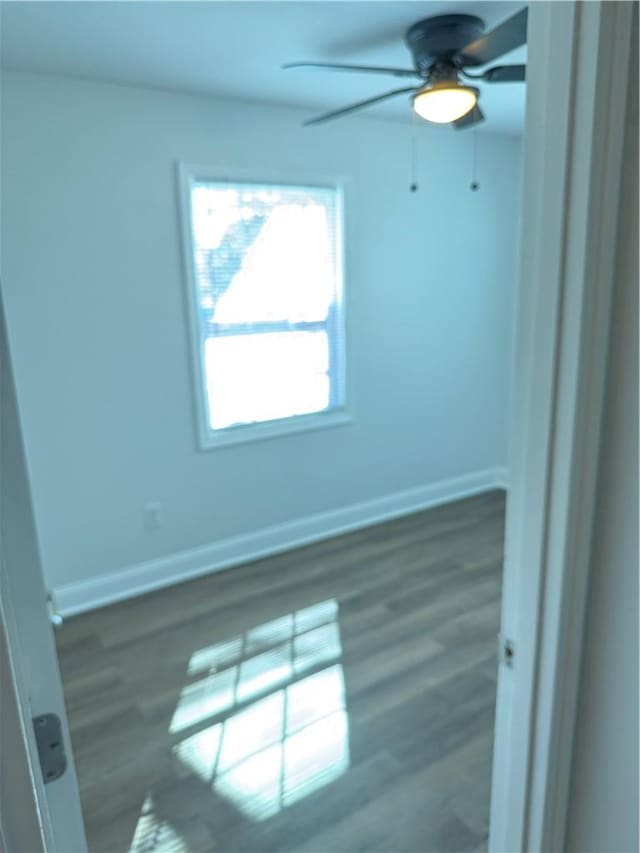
501 478
144 577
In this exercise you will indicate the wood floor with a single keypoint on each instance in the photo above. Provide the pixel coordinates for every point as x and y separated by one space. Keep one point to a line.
339 697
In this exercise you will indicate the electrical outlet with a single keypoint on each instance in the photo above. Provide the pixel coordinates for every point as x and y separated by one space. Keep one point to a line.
151 515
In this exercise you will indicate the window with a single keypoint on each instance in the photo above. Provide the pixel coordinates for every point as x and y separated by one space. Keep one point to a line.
266 303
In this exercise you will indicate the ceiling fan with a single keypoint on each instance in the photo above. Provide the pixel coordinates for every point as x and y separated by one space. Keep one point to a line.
443 47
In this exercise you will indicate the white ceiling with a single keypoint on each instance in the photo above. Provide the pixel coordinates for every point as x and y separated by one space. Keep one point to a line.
235 49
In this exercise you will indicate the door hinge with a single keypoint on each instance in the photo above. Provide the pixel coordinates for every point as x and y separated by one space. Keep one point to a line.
53 759
506 651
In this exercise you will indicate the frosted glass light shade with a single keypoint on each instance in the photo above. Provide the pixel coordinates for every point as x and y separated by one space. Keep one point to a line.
445 102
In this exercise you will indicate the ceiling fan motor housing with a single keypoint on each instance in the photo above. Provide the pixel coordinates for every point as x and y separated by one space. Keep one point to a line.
441 40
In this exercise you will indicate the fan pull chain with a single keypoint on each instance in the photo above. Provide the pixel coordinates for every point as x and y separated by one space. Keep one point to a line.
413 187
474 186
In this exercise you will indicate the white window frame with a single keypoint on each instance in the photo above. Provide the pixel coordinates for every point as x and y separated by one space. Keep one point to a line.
339 413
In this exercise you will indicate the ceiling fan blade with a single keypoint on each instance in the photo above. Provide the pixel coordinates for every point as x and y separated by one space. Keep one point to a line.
474 116
369 69
360 105
506 74
506 36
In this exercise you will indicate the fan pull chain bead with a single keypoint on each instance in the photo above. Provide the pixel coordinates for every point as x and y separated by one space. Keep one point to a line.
413 187
474 186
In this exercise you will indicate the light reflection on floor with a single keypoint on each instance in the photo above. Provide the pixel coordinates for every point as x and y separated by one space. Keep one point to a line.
264 722
265 658
153 834
279 749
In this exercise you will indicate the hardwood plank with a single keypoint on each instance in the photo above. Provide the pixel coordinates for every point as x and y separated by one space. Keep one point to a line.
389 822
336 697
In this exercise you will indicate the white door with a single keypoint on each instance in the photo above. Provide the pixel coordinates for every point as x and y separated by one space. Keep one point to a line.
49 812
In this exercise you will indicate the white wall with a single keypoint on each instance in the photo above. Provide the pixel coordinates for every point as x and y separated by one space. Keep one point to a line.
603 817
93 278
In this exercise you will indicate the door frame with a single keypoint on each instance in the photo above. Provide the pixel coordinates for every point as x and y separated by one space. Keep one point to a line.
20 754
578 60
31 683
576 104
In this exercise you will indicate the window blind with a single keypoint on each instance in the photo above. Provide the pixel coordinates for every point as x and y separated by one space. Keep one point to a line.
267 271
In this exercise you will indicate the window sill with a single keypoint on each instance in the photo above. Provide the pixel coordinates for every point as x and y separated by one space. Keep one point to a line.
273 429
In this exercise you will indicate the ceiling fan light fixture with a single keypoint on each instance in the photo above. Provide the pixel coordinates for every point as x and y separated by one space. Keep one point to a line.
444 102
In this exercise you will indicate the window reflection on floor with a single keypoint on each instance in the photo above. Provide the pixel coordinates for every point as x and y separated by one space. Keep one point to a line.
279 749
265 658
264 722
153 833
